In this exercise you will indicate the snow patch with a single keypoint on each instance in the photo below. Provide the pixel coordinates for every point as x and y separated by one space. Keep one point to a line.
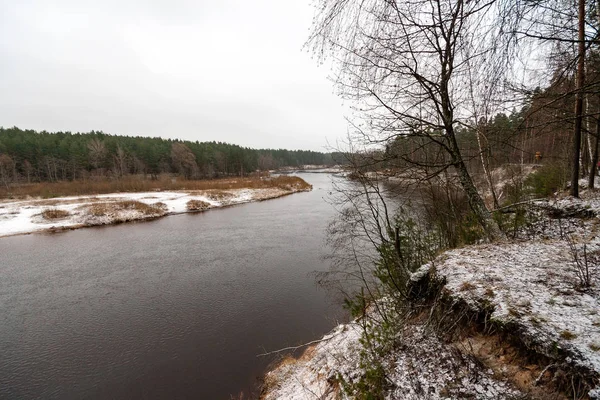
24 216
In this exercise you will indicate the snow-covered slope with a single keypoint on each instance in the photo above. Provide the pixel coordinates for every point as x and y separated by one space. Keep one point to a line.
530 289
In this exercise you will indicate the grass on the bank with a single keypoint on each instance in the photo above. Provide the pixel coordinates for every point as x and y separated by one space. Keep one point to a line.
197 205
139 184
103 209
55 213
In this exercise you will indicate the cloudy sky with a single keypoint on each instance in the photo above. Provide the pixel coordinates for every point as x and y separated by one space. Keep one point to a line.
227 70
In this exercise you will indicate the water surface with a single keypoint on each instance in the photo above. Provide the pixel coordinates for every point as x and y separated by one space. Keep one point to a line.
174 308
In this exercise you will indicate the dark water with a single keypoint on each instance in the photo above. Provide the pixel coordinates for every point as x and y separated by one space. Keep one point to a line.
174 308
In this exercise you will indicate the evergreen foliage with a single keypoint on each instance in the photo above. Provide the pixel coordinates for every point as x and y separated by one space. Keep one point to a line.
30 156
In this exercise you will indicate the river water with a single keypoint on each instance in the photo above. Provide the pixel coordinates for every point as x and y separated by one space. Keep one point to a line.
173 308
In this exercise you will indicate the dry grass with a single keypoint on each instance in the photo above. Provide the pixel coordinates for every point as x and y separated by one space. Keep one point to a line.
55 213
568 335
218 195
103 209
197 205
139 184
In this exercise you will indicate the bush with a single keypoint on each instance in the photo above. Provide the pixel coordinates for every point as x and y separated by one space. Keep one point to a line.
55 213
446 212
547 180
103 209
197 205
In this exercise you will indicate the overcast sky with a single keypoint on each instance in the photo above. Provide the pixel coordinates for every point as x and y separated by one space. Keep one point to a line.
227 70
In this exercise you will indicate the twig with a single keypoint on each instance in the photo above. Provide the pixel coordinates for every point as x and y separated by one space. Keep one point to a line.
519 203
539 378
299 346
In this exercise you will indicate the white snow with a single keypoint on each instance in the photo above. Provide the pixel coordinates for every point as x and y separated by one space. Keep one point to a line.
307 377
535 285
425 368
531 283
24 216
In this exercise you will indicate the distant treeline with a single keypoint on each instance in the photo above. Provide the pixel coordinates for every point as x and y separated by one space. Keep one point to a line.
30 156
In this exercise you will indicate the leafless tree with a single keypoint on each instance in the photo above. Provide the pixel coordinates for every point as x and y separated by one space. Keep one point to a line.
7 169
409 66
28 169
184 160
97 153
120 162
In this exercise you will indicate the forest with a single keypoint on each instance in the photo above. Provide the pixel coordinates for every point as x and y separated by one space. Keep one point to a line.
28 156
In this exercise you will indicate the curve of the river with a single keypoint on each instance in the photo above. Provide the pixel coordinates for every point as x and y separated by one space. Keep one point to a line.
173 308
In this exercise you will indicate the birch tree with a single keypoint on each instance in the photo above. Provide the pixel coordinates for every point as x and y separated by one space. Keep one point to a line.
405 65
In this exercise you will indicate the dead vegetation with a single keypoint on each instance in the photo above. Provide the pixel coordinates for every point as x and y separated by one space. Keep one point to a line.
197 205
139 184
443 347
55 213
111 208
218 195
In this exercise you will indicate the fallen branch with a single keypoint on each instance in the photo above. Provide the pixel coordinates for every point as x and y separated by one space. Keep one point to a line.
294 348
508 207
539 378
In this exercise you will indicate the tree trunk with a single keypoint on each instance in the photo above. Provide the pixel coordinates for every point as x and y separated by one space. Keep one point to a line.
483 215
594 163
486 171
578 101
476 203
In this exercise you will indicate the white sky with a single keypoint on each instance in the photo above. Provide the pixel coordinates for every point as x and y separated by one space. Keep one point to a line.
226 70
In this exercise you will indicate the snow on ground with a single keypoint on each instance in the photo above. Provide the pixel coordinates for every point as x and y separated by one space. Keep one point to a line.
536 284
531 284
309 377
425 368
25 216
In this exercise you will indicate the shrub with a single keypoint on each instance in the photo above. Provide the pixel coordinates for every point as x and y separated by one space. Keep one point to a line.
197 205
568 335
446 210
218 195
161 206
102 209
547 180
55 213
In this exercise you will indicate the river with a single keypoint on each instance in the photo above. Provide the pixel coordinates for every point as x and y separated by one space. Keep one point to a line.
173 308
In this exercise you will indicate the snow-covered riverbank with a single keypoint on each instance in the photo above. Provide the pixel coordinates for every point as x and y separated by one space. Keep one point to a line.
539 295
35 215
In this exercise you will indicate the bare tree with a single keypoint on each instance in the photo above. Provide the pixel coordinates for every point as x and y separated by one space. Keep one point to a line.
579 98
7 168
406 65
120 161
97 153
184 160
28 169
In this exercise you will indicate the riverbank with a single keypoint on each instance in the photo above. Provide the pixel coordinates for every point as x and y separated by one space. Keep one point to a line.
518 319
31 215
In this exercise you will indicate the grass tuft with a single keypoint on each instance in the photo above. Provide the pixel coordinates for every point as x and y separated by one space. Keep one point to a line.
55 213
568 335
197 205
103 209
